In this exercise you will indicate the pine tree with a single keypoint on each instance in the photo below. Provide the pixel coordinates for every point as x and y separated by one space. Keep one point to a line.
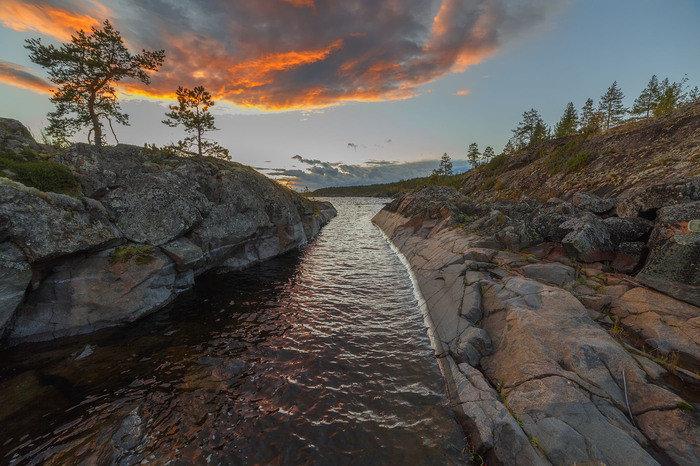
568 123
473 154
509 148
648 99
528 129
488 153
591 119
671 95
694 95
192 112
445 167
84 72
611 107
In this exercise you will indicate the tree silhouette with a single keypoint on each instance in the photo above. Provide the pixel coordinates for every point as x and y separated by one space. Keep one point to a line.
648 99
568 123
611 106
192 112
84 72
473 154
445 167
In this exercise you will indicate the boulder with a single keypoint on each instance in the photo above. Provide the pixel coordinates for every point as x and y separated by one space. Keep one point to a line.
673 268
150 204
593 203
553 273
646 201
48 225
15 275
623 229
84 294
588 239
673 220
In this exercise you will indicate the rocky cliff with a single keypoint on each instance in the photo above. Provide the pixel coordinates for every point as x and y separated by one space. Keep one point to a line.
568 331
127 230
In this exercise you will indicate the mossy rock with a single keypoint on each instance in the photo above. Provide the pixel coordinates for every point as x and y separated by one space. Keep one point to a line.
141 255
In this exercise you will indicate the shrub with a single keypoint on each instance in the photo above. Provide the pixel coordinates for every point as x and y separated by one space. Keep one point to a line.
496 164
578 161
40 174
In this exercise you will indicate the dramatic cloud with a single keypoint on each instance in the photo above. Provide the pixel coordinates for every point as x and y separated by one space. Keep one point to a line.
56 21
21 76
321 174
292 54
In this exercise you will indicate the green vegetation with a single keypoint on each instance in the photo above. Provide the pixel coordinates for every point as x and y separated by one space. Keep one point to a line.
686 406
389 189
497 163
579 161
29 169
141 255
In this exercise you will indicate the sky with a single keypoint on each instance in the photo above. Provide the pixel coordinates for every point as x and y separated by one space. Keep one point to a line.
334 92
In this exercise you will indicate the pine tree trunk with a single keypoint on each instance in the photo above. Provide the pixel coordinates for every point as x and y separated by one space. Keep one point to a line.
95 121
199 142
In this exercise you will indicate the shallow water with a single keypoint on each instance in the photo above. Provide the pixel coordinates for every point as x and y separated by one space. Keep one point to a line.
320 356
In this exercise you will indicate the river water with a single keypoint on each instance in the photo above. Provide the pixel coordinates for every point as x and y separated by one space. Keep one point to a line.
317 357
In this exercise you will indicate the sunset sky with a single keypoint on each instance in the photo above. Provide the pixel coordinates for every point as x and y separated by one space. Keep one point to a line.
338 92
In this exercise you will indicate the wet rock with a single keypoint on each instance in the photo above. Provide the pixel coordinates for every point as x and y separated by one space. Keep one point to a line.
222 369
593 203
184 253
15 275
556 274
84 294
588 239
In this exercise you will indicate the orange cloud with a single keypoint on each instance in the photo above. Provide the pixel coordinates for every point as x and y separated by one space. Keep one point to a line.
301 3
258 54
463 92
20 76
39 16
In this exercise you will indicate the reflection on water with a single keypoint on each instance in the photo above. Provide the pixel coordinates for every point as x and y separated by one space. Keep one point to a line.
319 357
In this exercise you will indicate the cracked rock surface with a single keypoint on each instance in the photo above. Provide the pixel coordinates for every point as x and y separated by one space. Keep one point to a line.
549 355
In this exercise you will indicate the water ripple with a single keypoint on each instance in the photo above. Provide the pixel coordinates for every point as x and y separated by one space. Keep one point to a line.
318 357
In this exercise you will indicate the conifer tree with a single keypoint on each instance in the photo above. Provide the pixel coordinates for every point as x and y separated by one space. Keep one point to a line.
84 72
694 95
473 154
528 129
488 154
648 99
671 95
445 167
590 118
192 112
568 123
611 106
509 148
